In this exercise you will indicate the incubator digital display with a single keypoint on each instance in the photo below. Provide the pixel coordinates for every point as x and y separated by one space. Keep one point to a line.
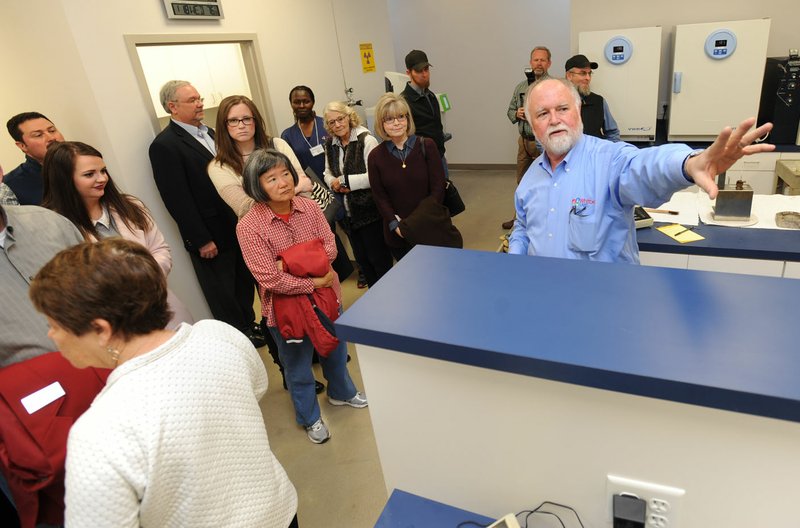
720 44
618 50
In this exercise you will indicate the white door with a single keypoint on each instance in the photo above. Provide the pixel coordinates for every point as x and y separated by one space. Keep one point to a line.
718 69
627 76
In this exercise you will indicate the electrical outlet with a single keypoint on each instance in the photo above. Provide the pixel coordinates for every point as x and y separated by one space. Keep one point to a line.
663 502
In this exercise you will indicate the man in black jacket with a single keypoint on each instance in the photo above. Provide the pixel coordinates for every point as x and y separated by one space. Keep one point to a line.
423 103
595 114
180 155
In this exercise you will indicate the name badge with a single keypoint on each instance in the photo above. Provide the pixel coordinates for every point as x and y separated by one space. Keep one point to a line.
42 397
316 150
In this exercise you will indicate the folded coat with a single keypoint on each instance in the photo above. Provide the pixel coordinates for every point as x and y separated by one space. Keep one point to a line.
295 314
430 225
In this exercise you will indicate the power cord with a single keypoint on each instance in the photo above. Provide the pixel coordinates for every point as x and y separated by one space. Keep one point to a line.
539 510
528 513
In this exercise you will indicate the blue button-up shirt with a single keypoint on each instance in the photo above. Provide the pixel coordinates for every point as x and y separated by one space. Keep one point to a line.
584 208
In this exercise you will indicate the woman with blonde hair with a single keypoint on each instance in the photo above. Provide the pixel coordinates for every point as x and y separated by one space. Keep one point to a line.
346 153
403 170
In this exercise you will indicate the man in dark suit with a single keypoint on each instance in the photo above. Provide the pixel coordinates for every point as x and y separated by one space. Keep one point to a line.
180 155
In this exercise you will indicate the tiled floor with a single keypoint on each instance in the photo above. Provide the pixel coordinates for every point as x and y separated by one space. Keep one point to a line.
339 483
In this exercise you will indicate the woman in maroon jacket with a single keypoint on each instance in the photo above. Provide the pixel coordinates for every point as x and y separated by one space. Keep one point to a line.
278 221
403 170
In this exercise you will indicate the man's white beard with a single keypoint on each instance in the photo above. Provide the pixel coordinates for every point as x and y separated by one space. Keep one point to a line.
583 89
560 145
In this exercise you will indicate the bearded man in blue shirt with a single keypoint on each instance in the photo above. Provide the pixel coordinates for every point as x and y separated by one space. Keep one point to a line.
577 198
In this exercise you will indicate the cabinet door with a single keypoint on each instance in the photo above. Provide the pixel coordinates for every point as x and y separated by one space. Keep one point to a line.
715 93
764 268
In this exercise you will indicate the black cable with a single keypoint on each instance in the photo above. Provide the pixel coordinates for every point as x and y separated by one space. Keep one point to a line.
471 523
544 513
538 509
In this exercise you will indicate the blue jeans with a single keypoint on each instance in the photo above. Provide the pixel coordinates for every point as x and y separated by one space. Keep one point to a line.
296 359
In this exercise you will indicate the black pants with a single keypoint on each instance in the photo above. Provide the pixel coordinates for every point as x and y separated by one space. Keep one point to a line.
400 252
228 286
370 251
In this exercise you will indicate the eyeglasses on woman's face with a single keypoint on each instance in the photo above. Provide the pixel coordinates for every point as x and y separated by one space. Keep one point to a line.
395 119
337 121
234 122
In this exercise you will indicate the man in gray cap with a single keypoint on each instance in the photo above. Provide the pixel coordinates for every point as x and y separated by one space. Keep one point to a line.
597 118
423 103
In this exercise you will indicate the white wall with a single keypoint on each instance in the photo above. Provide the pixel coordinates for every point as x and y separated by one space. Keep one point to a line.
68 60
478 52
589 15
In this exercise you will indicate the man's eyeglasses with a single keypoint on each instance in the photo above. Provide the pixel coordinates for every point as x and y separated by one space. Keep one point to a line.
233 122
581 73
338 121
399 118
192 101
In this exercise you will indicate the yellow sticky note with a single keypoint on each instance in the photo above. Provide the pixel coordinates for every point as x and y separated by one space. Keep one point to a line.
680 233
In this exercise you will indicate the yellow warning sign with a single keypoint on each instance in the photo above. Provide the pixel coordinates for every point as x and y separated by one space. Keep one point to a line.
367 57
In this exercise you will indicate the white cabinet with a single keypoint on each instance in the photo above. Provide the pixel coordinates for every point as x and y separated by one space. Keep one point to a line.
792 270
757 170
664 260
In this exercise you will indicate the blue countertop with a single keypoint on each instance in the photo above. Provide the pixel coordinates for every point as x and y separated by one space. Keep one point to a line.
713 339
765 244
406 510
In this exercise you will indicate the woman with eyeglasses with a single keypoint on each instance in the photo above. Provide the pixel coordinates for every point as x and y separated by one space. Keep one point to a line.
346 153
240 131
78 186
403 170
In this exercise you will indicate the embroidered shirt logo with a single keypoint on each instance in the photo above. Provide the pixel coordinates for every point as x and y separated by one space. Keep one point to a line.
580 206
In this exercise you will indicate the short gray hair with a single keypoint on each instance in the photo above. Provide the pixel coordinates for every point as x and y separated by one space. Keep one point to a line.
167 93
260 161
542 48
565 82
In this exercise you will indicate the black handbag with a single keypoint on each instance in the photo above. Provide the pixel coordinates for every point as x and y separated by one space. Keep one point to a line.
452 198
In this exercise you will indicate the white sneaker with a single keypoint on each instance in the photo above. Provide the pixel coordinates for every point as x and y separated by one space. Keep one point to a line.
318 432
359 401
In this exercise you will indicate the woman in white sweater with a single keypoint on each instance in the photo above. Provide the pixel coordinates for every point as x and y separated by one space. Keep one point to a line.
240 131
176 438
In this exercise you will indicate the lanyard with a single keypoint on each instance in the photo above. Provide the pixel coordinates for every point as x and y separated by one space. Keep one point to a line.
316 132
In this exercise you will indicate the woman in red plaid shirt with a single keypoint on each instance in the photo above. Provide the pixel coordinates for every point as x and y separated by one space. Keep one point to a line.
279 220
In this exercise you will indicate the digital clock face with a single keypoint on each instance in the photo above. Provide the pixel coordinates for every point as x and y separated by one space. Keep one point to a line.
193 9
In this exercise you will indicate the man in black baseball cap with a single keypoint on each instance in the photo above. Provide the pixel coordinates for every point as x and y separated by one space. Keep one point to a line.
597 118
423 103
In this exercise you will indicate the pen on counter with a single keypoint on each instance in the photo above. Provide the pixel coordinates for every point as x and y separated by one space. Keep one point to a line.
682 231
661 211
